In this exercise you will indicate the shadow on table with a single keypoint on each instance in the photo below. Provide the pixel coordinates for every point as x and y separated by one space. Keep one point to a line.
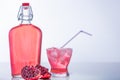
52 78
59 78
17 78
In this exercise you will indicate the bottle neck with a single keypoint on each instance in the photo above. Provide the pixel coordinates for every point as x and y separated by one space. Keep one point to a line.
25 22
25 15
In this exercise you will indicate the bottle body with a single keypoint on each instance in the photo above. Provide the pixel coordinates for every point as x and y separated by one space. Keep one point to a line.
24 41
25 47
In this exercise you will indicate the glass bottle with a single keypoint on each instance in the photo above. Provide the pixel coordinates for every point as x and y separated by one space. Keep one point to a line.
24 41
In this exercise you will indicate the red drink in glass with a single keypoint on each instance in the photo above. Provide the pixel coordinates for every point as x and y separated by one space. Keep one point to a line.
25 43
59 60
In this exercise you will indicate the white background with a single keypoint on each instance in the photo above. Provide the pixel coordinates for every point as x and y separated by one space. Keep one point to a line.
59 20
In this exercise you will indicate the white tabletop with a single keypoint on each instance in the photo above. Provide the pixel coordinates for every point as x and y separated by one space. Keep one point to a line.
78 71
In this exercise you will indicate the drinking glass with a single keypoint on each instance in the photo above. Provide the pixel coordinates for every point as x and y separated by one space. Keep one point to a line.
59 59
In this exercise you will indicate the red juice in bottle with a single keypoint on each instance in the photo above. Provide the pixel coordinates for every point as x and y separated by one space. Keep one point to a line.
24 41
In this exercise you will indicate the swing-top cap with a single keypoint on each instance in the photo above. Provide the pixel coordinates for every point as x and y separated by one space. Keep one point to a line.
25 4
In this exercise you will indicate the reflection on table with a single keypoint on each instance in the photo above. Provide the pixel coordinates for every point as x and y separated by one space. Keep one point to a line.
77 71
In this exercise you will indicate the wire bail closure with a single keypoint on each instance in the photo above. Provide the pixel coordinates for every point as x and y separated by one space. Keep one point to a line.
25 13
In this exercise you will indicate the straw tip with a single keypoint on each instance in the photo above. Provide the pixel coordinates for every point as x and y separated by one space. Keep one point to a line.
81 30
